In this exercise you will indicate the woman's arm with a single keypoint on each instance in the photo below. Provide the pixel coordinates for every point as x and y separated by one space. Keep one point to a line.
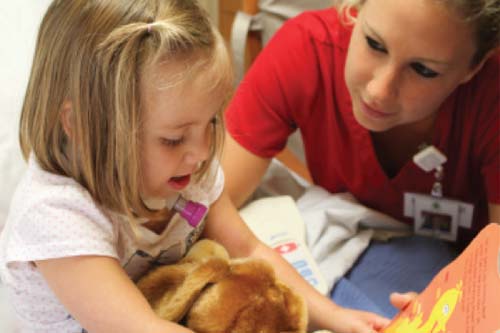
243 170
101 297
226 226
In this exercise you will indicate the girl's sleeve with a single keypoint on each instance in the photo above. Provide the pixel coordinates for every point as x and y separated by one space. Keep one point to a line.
67 224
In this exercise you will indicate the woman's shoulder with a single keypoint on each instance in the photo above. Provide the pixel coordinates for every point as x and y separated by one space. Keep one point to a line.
323 26
311 40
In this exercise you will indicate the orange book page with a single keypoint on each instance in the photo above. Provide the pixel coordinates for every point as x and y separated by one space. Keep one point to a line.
464 297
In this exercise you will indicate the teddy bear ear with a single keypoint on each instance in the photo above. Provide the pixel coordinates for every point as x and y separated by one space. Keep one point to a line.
174 305
205 248
162 281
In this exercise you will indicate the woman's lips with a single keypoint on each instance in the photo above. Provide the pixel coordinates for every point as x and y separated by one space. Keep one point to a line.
373 113
178 183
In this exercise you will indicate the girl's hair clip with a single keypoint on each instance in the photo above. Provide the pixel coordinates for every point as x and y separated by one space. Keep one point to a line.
150 25
192 212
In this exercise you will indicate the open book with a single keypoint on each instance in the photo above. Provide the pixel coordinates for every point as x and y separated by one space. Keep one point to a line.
464 297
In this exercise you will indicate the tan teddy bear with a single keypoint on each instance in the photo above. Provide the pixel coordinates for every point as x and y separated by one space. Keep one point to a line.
210 293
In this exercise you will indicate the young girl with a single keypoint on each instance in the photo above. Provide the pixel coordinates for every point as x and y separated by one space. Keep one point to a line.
366 95
122 116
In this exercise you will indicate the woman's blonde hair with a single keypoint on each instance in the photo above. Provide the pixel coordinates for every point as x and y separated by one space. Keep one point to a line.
484 15
93 53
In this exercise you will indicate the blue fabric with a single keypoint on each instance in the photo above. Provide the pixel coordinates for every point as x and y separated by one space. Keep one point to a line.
402 264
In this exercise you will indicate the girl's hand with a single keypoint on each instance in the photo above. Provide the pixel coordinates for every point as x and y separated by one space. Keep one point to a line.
400 301
355 321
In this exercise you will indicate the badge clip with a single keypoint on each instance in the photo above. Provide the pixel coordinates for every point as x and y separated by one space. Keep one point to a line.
430 159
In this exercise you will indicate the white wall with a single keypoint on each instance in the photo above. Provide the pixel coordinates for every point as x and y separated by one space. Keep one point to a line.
19 22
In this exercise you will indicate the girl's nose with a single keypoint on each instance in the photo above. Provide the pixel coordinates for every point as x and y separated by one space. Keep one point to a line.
199 151
383 84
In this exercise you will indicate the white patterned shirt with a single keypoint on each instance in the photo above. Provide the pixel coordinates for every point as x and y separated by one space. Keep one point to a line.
52 216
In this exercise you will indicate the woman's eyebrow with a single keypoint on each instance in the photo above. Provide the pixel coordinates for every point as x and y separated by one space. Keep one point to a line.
434 61
372 31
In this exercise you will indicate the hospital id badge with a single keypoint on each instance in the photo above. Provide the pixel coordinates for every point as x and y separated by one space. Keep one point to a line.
437 217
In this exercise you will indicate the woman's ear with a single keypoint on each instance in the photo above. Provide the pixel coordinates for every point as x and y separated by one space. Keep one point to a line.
66 118
480 65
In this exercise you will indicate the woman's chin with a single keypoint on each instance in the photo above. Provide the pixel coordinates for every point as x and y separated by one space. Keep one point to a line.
373 125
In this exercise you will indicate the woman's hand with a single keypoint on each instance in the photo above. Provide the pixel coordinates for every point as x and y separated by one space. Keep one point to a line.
400 301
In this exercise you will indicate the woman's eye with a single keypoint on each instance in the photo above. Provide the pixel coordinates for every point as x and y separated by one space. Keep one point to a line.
373 44
172 142
423 70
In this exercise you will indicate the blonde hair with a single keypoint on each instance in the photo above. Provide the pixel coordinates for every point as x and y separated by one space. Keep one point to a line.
93 53
484 15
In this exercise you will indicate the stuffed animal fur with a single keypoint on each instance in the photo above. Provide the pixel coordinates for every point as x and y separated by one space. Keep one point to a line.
210 293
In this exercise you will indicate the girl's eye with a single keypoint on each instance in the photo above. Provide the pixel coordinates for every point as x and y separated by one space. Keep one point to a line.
373 44
172 142
423 70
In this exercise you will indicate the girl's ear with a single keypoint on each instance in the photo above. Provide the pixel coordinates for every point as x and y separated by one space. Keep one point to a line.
480 65
66 118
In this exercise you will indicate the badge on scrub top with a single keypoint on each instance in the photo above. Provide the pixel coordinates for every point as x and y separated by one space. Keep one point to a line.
434 215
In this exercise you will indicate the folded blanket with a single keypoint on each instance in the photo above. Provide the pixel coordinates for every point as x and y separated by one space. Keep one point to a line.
337 228
401 264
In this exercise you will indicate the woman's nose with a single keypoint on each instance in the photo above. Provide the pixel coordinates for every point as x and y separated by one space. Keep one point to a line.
383 84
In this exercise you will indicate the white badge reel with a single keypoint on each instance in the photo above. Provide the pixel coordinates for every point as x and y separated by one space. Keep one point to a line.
433 214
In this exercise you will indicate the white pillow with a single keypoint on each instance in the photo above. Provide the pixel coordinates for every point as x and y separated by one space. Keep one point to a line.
19 21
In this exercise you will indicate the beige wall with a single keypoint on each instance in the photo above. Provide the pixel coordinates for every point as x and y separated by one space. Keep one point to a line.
213 8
